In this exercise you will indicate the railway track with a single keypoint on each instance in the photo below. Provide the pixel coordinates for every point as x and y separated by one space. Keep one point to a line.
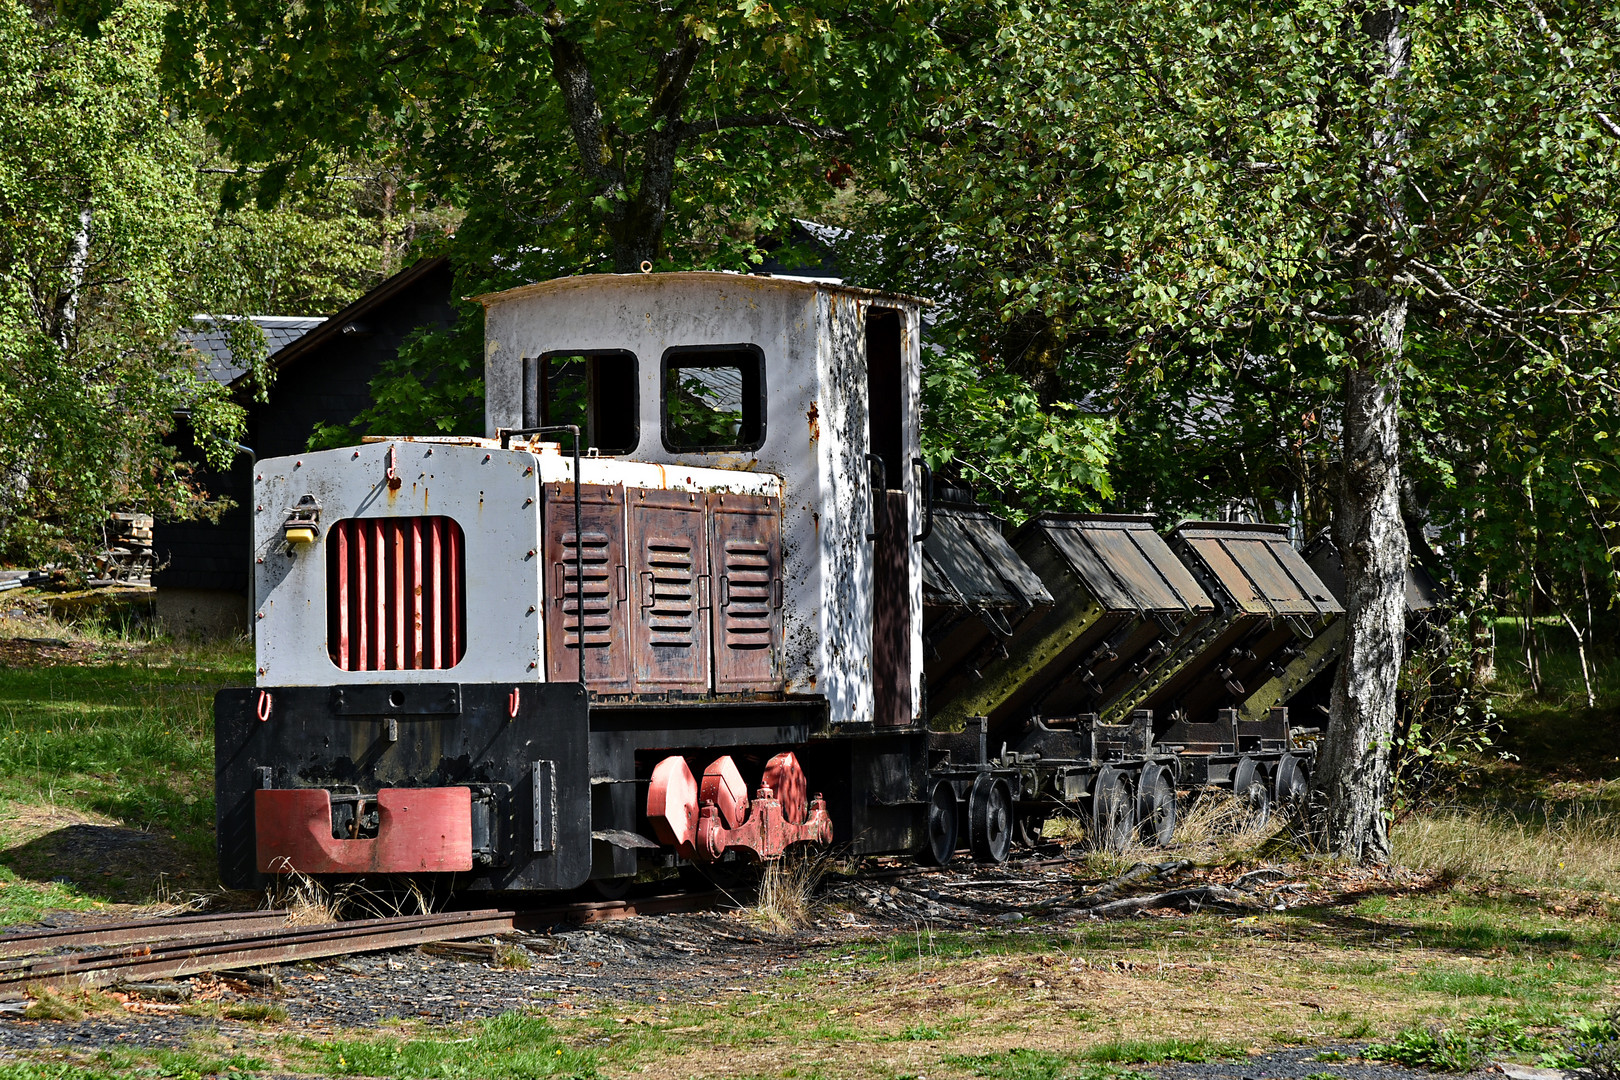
142 950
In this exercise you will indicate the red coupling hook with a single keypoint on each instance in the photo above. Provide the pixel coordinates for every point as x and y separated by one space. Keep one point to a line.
512 701
263 708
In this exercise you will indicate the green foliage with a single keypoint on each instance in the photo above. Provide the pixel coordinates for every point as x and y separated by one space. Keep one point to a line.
1442 1050
697 414
434 385
987 426
1448 728
1448 1050
1596 1046
97 213
1164 209
580 129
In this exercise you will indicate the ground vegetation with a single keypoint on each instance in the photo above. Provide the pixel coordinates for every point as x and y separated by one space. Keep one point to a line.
1491 938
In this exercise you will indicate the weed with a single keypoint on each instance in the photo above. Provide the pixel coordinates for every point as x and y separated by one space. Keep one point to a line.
306 901
1025 1064
1440 1050
1502 1033
787 890
1153 1051
257 1011
1596 1049
69 1004
1331 1055
1216 826
513 957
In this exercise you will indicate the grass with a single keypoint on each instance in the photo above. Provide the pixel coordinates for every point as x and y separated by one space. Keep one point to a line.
1028 1064
515 1045
70 1004
786 899
261 1012
121 737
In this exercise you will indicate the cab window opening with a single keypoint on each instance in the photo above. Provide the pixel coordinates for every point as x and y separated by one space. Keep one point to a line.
598 391
713 398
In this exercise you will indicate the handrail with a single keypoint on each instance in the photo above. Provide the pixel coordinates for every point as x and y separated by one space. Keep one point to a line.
928 501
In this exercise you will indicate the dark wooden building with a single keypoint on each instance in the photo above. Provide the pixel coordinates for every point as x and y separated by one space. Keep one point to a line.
323 375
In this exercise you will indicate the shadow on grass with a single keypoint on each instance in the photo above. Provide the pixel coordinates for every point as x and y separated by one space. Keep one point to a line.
108 862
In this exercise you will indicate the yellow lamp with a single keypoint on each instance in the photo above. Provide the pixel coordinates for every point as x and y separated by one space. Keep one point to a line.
302 525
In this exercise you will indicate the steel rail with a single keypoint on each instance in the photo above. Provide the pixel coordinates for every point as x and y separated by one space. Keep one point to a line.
118 933
250 944
252 949
58 963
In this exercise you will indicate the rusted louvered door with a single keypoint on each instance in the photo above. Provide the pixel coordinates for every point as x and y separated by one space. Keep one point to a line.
670 592
605 593
745 557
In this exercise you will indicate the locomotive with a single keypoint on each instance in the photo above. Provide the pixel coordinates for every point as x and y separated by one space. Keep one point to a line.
696 598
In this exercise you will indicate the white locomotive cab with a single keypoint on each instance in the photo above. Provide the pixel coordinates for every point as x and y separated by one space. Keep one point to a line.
812 382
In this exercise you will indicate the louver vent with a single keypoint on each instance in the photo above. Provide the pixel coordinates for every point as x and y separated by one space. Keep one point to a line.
396 594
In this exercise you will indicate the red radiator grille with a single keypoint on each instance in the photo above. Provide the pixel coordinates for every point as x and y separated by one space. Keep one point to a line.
396 593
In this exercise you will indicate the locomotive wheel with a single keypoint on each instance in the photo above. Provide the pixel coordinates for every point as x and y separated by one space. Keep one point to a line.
989 820
1155 806
1293 786
1249 784
942 816
1113 811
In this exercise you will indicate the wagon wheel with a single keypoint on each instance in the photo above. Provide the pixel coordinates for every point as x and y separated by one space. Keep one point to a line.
942 818
1293 785
1030 828
1249 784
1113 811
1155 806
989 820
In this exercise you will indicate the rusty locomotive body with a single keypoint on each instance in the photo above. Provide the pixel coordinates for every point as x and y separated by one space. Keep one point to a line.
693 599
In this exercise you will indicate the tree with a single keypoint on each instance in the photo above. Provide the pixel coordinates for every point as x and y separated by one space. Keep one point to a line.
98 208
1355 197
577 127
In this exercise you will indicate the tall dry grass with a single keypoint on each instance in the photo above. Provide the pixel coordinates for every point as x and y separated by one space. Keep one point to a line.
787 899
1212 826
1573 844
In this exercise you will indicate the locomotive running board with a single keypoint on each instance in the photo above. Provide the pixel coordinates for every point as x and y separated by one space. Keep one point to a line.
419 831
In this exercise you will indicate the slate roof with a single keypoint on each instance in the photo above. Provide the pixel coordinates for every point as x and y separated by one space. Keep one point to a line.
206 334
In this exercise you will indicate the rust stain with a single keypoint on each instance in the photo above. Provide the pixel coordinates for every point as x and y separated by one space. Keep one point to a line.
814 416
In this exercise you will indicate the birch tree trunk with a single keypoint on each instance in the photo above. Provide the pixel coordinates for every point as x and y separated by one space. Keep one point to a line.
1355 772
1355 769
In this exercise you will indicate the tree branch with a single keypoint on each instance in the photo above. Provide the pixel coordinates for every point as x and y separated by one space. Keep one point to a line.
573 76
1500 319
760 120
